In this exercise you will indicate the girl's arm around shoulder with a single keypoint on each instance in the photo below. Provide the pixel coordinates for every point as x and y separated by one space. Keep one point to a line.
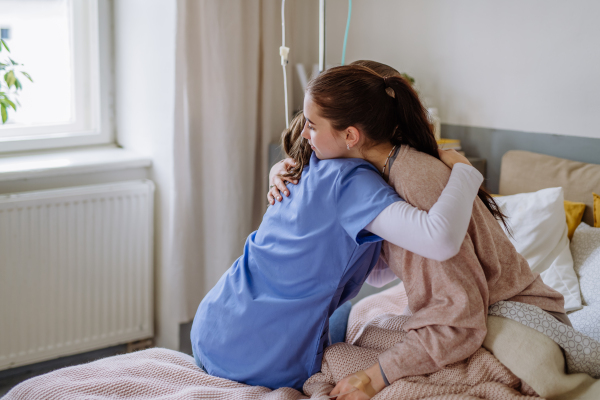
438 234
277 180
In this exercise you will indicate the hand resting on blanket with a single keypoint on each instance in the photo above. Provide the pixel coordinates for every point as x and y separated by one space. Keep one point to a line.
345 385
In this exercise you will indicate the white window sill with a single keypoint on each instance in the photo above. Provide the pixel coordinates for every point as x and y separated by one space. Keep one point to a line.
66 162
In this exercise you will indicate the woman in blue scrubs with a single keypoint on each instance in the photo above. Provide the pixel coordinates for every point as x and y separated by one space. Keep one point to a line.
266 321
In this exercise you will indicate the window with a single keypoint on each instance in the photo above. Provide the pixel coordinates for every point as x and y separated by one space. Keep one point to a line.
64 46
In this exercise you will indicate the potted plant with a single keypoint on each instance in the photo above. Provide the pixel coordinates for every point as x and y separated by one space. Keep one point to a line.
9 89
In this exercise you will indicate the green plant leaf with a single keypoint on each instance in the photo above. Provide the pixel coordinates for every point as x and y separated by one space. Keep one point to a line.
11 104
10 78
4 115
27 75
408 78
13 62
18 84
5 46
7 103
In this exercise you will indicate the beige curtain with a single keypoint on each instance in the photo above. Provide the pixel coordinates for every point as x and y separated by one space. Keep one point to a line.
228 108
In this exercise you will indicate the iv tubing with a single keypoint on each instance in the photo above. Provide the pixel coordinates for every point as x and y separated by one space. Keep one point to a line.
346 34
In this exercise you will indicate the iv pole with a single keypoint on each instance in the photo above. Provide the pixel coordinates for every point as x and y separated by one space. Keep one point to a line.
321 36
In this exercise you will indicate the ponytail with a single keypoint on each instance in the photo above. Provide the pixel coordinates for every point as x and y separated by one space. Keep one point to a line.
415 130
413 127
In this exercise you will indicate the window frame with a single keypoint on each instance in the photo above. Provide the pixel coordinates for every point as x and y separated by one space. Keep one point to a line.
94 123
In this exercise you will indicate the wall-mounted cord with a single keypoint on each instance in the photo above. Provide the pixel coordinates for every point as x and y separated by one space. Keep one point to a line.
283 52
346 34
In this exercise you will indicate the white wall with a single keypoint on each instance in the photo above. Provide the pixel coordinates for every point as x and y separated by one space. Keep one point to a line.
144 37
527 66
518 65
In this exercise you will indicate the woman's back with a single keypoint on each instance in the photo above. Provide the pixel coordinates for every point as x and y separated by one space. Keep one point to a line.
265 322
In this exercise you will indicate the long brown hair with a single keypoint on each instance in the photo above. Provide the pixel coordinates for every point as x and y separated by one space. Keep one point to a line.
359 95
295 146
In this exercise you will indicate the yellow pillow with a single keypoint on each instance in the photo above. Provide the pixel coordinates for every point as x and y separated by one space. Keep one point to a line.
574 212
596 210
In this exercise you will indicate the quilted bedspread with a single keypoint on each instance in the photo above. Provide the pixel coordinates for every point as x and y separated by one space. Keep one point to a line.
375 324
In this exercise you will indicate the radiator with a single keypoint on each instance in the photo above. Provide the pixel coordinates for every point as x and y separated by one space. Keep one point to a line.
75 270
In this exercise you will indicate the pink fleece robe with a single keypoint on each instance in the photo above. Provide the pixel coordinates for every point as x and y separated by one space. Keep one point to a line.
449 299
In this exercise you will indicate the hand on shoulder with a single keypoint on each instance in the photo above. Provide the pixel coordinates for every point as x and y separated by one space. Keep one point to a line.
277 180
451 157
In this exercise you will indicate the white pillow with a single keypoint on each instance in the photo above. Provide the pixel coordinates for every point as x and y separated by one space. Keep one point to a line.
585 248
539 227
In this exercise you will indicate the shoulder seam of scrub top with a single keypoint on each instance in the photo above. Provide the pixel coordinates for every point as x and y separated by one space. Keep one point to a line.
341 172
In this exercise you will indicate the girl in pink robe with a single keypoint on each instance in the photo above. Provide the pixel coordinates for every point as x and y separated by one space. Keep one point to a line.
448 299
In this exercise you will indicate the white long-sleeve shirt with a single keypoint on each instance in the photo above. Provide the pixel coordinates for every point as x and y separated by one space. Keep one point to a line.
438 234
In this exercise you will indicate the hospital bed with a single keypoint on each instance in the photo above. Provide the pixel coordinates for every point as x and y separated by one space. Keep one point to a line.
521 172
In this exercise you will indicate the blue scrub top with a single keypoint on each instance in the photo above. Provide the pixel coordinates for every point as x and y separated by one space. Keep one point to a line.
266 321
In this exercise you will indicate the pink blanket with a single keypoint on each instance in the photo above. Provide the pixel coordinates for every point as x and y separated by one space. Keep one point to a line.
375 325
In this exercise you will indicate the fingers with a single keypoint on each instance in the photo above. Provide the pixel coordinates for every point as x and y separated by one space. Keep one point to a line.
280 168
451 157
289 163
447 153
335 390
276 189
270 198
289 180
445 157
459 158
344 391
279 183
274 195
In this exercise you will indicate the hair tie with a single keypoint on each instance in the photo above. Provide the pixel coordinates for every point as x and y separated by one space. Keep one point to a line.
388 89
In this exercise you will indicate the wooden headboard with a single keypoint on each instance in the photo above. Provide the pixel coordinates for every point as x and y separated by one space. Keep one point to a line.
524 171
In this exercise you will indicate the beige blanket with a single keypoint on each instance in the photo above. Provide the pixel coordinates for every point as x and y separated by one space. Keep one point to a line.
537 360
375 325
